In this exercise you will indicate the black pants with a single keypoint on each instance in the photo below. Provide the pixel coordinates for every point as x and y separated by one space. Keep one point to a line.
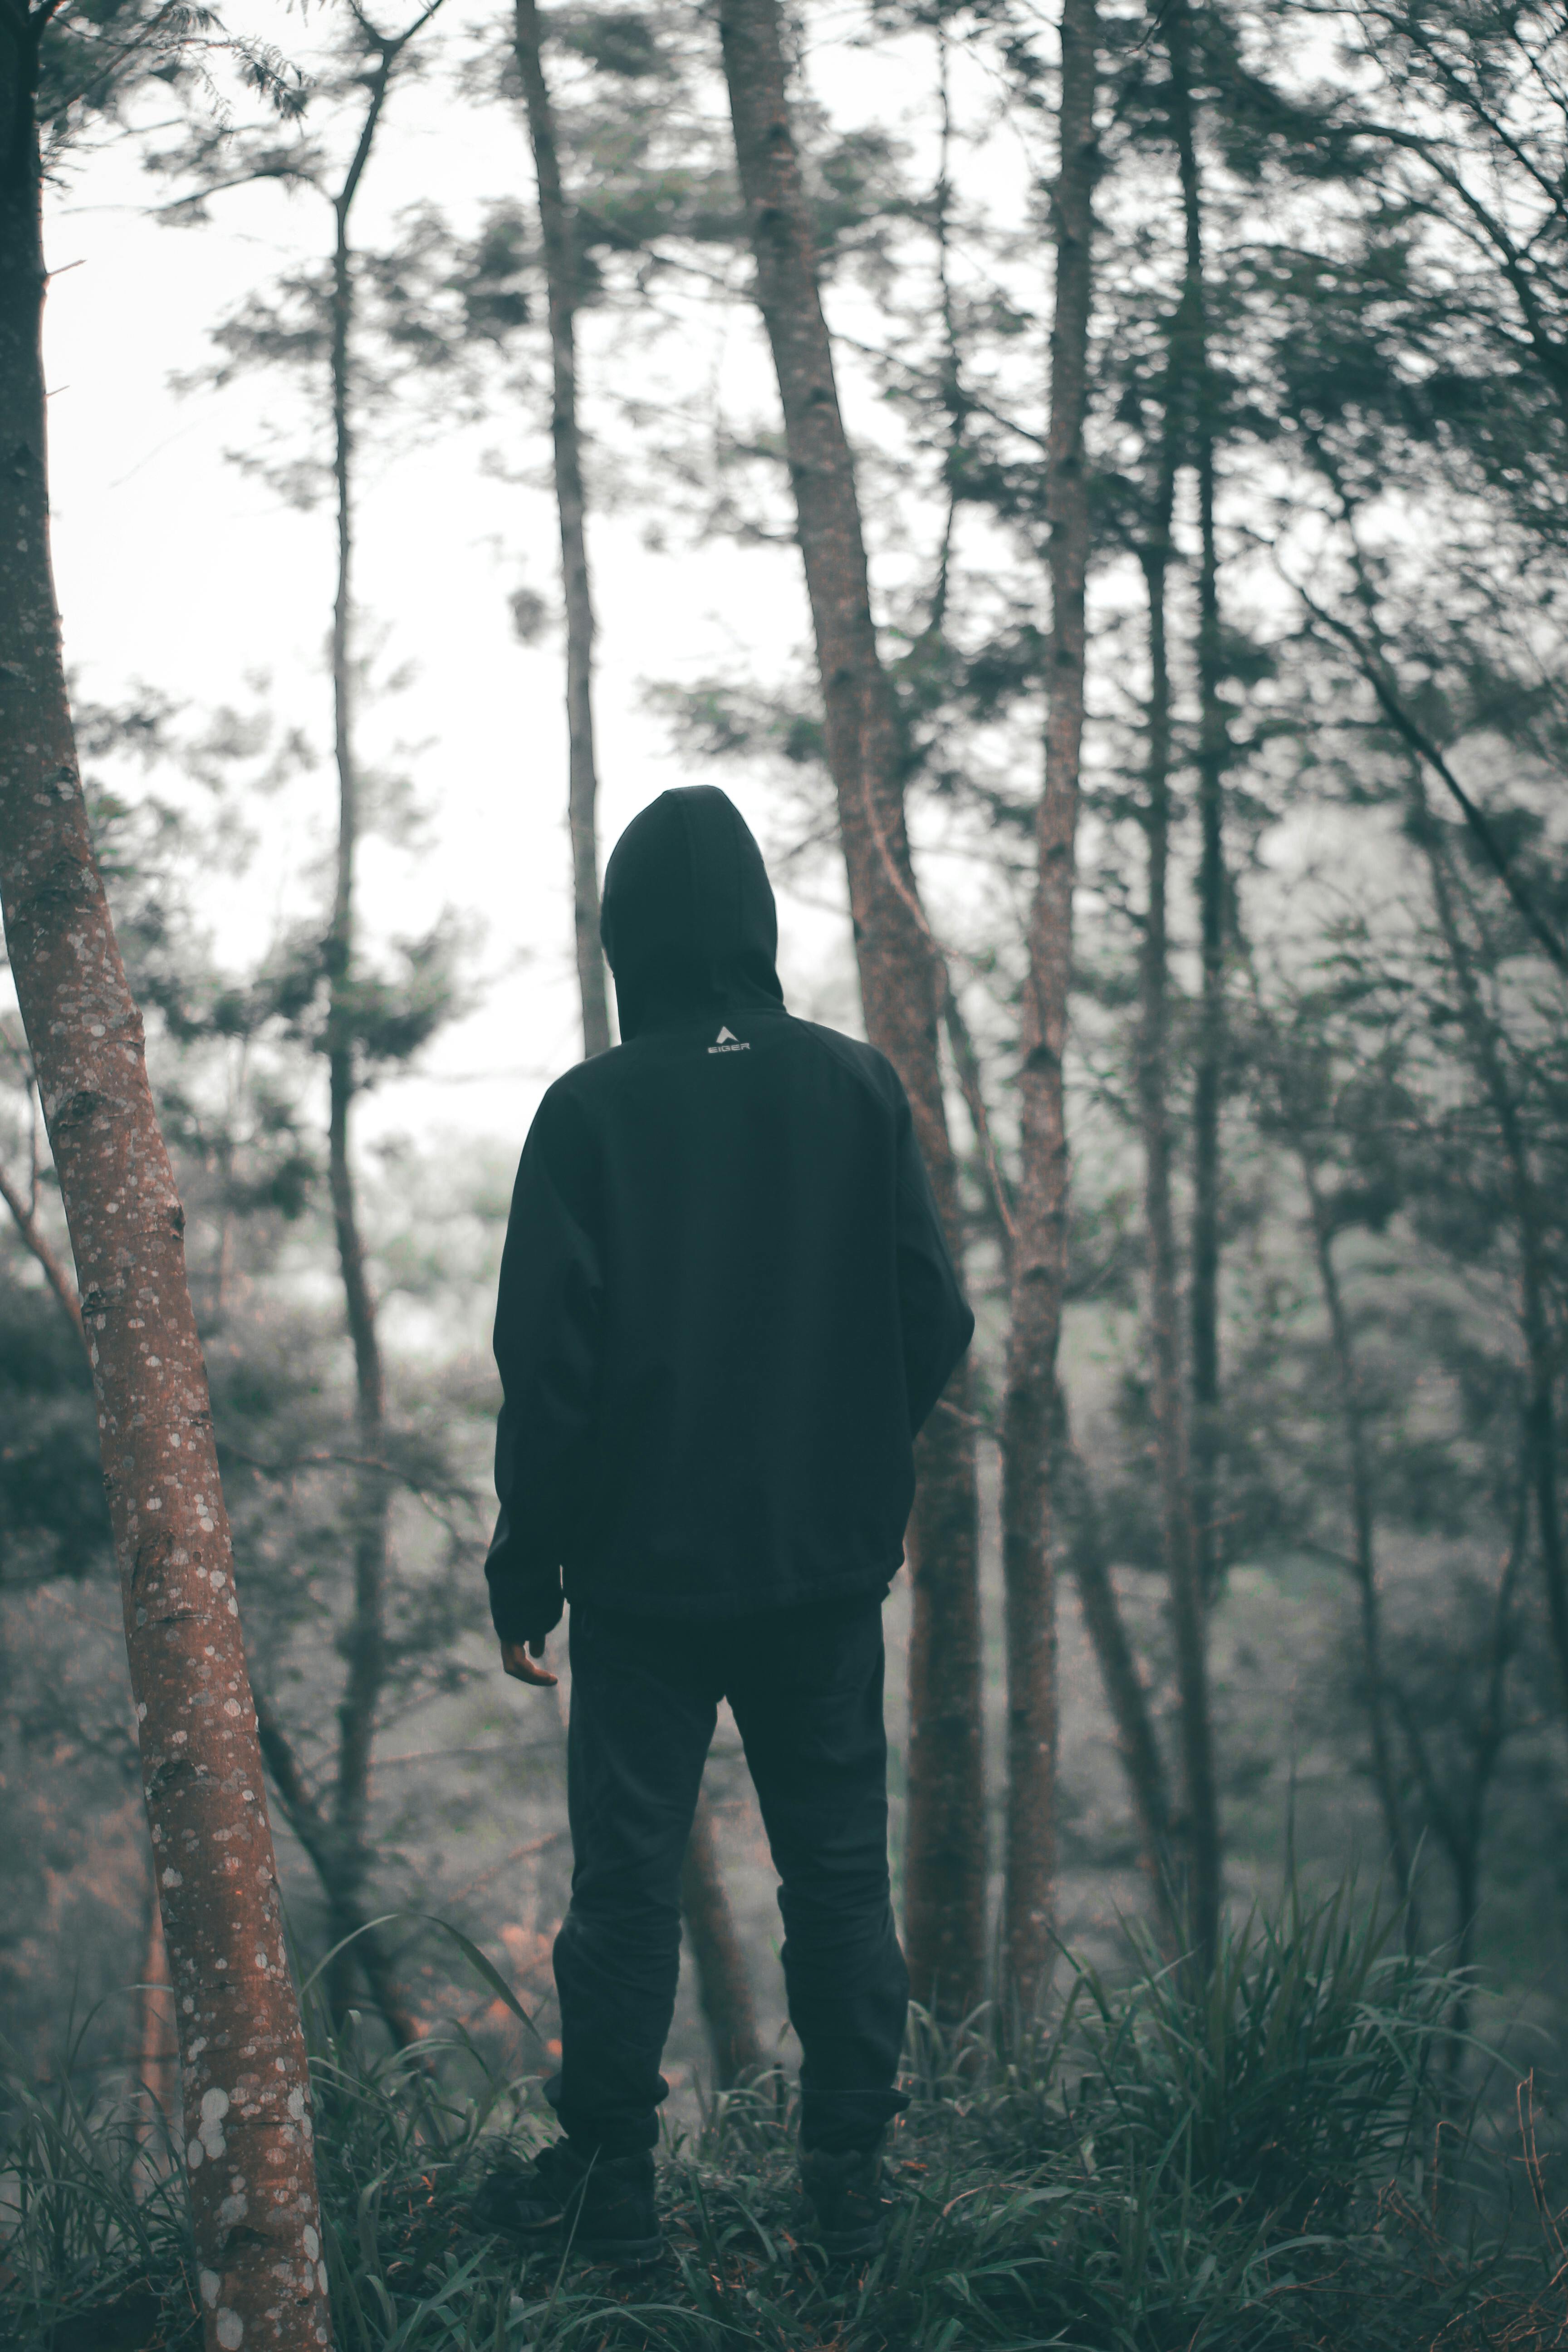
806 1686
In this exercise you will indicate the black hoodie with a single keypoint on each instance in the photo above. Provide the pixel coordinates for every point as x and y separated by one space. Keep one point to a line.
726 1302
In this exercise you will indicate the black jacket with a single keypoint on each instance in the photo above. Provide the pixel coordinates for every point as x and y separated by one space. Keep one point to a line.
726 1302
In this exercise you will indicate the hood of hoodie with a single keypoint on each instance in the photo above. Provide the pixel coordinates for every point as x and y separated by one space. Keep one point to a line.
688 923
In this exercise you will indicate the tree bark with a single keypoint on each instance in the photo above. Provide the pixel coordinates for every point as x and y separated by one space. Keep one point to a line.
244 2091
1038 1266
1363 1541
1459 1824
157 2049
726 1988
24 1208
1190 352
313 1826
1200 1827
1529 1220
558 235
364 1640
902 990
724 1983
1137 1743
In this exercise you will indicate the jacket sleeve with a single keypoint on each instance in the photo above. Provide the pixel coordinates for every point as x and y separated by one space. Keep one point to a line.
936 1321
546 1347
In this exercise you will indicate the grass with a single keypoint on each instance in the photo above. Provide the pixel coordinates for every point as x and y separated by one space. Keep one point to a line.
1235 2167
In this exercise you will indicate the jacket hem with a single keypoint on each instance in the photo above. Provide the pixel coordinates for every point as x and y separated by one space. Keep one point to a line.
636 1600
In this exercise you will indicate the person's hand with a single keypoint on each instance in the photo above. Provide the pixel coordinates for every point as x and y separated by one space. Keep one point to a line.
520 1664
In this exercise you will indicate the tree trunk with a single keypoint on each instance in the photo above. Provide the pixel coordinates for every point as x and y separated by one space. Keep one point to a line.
724 1986
1201 1845
364 1640
1038 1267
1482 1037
1459 1824
24 1208
1136 1741
1363 1554
1190 354
1529 1223
313 1827
903 989
157 2049
724 1983
558 234
245 2090
1492 1733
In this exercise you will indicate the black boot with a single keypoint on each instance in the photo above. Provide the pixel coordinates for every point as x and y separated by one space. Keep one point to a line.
844 2192
601 2207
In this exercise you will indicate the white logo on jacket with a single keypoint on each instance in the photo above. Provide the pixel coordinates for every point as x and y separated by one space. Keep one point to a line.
728 1043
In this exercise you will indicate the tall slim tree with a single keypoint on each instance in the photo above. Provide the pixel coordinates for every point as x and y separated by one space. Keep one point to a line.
903 988
558 235
1038 1264
1364 1536
365 1639
724 1983
317 324
1200 1844
246 2097
1526 1211
1190 337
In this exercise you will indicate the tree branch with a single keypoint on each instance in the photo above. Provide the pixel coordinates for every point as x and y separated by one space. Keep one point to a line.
26 1217
1378 677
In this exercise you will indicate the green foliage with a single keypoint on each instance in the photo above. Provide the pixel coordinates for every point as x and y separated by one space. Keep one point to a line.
1236 2167
94 2210
1298 2076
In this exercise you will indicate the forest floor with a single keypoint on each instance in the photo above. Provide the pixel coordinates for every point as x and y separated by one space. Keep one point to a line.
1273 2160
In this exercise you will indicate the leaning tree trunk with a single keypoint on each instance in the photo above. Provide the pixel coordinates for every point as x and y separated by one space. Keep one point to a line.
245 2092
724 1986
902 990
1201 1838
1190 351
557 234
1038 1271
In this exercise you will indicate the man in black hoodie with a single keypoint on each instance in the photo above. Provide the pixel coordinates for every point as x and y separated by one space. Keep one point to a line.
726 1308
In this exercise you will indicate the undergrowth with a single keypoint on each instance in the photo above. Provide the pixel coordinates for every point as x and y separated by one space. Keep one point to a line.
1262 2163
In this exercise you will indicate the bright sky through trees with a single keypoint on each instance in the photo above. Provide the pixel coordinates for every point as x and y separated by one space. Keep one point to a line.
180 570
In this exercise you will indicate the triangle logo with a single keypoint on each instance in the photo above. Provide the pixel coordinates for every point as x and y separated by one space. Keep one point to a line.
726 1037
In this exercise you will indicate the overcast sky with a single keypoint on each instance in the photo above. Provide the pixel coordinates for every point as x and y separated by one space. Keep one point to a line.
176 568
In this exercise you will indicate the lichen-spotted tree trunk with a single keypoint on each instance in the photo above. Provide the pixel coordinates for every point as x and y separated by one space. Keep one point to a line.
558 237
902 990
1038 1266
723 1985
246 2102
